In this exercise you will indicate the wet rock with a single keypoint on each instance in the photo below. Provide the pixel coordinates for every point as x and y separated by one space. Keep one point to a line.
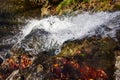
8 56
39 68
1 60
96 52
118 35
13 74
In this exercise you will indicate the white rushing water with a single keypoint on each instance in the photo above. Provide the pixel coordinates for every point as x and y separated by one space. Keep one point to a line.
52 32
60 29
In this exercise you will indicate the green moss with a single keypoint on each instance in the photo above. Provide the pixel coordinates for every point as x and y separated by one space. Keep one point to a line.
23 8
107 45
65 3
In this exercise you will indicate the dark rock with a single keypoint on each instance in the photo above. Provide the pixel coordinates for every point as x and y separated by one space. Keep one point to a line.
118 35
1 60
7 55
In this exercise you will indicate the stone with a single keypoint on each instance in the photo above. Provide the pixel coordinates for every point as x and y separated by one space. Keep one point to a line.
1 60
39 68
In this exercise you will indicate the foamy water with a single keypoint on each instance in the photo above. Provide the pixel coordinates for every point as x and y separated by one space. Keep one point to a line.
52 32
61 29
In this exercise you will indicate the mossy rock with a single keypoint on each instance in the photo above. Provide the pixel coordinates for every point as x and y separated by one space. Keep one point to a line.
98 53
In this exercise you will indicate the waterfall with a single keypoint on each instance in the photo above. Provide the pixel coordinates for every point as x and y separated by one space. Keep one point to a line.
55 30
50 33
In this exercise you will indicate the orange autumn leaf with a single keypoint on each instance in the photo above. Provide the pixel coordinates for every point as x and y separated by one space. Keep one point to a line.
13 63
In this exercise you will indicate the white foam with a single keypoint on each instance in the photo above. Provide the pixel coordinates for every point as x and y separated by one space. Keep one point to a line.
68 28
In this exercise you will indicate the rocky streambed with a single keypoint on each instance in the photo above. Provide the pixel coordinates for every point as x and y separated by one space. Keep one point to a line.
92 58
75 46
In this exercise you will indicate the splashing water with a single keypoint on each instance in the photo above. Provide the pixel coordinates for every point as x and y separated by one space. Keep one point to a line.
54 31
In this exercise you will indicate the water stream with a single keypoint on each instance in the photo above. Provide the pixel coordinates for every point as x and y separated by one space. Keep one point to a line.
52 32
